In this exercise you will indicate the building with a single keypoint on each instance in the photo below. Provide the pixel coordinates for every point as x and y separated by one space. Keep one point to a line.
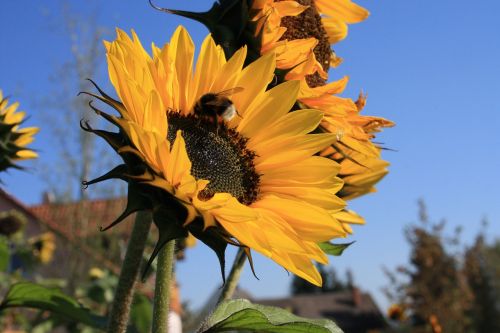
75 229
352 310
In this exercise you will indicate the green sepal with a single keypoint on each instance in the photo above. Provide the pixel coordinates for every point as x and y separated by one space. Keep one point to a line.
117 172
334 249
211 238
5 129
105 98
226 20
166 219
241 315
250 261
136 201
115 140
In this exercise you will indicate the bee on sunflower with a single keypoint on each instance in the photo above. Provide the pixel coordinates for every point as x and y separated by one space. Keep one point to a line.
236 168
300 33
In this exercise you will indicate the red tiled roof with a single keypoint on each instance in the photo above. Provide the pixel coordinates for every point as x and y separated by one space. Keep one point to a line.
81 219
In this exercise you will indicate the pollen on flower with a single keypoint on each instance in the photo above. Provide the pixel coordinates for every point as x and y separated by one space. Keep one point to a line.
218 154
305 25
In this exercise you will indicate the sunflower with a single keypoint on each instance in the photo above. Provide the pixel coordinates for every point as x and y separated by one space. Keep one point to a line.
13 141
325 21
44 246
355 151
301 33
11 221
396 312
296 56
253 181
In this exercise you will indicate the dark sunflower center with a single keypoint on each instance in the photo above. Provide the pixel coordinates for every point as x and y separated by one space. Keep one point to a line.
218 154
308 24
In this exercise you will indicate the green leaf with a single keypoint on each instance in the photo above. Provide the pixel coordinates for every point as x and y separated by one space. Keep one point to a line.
4 254
141 314
240 314
334 249
31 295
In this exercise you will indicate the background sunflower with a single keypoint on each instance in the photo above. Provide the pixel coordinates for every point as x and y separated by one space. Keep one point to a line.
13 140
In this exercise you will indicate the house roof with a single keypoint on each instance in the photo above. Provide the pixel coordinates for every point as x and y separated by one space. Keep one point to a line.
75 220
349 314
18 204
81 219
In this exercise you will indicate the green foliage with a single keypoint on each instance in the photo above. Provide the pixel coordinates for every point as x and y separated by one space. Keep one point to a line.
141 314
446 285
30 295
242 315
334 249
4 254
482 271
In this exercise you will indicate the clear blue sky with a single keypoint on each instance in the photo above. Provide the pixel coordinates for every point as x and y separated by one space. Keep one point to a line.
431 66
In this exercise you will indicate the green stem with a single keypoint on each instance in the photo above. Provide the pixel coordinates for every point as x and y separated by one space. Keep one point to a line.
234 276
118 318
163 285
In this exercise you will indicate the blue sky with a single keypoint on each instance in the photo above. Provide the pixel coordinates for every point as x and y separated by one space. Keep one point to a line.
431 66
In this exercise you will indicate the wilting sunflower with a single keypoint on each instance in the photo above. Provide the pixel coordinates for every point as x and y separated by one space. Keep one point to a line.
326 22
359 157
246 175
13 140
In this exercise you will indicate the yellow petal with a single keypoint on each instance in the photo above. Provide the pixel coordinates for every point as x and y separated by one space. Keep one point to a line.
335 87
294 123
284 151
182 53
280 99
289 8
262 68
310 222
324 170
26 154
345 10
335 29
210 60
179 163
316 196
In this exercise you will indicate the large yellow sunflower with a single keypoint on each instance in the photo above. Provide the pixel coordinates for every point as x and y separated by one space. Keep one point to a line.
13 140
253 180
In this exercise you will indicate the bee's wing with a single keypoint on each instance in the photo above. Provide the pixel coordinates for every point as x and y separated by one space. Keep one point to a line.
229 92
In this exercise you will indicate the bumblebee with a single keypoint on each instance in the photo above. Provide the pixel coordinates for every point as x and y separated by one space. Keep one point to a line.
216 108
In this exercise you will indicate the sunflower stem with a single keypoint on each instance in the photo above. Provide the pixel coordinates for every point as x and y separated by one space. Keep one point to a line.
120 309
163 285
234 276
